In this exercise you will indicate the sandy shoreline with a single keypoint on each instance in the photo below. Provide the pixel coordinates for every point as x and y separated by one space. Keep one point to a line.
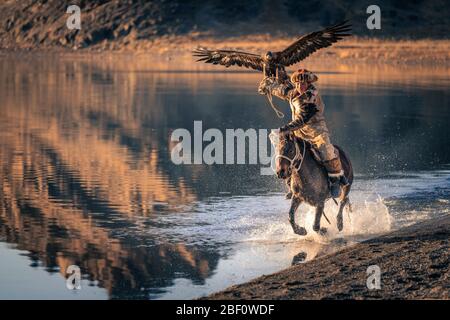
351 51
414 263
355 51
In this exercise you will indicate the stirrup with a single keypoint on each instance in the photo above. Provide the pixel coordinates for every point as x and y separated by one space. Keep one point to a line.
335 191
335 186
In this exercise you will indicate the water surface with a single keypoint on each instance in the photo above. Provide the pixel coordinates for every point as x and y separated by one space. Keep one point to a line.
86 175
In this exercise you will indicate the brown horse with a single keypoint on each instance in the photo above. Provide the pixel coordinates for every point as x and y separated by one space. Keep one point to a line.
295 159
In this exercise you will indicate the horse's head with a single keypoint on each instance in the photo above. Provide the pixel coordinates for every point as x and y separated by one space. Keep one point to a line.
287 152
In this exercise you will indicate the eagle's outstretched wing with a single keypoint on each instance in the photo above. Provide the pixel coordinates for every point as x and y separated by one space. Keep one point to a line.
229 58
312 42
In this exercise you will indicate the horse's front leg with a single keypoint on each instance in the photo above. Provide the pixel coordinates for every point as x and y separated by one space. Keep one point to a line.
316 226
295 202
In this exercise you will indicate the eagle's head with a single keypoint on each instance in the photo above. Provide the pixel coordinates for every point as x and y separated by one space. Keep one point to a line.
268 56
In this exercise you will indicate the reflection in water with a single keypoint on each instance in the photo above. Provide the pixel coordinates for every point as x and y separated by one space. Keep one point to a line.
87 178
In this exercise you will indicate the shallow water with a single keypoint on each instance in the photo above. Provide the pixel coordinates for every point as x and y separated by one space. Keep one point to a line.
87 177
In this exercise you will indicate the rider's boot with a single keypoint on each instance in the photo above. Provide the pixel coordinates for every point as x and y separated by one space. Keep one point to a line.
335 176
288 184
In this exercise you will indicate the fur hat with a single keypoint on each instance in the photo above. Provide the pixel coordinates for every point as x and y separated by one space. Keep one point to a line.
303 75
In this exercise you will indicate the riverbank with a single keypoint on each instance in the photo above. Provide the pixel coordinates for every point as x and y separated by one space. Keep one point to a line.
176 51
353 51
414 264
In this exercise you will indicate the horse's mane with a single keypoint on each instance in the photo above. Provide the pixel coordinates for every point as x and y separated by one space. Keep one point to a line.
275 139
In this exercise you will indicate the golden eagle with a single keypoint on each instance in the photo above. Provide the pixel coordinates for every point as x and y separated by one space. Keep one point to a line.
274 63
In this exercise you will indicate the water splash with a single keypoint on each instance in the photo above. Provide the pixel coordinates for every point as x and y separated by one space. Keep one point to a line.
368 217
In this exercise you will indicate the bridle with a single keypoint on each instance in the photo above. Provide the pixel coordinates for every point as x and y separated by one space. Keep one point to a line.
298 156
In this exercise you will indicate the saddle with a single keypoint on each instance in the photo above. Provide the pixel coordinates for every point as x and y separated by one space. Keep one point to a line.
315 153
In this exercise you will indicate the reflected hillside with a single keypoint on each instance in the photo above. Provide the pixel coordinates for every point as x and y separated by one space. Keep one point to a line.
95 123
79 166
49 210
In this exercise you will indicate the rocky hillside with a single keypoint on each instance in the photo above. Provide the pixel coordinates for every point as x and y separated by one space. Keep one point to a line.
117 24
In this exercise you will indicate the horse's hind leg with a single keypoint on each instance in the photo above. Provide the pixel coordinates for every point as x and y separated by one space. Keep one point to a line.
295 202
340 218
316 226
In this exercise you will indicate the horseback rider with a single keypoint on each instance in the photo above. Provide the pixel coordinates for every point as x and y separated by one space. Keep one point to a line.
308 121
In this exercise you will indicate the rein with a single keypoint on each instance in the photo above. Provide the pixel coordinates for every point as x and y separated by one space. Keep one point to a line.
270 98
277 111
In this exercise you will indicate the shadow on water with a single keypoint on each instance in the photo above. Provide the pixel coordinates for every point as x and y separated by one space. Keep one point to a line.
87 177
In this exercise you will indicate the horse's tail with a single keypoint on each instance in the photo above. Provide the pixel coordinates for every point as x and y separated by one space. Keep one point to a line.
348 172
346 164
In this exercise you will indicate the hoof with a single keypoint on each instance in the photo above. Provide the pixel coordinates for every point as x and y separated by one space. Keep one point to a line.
300 231
299 258
322 231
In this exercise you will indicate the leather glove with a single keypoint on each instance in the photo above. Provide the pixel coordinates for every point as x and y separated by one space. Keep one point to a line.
284 130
